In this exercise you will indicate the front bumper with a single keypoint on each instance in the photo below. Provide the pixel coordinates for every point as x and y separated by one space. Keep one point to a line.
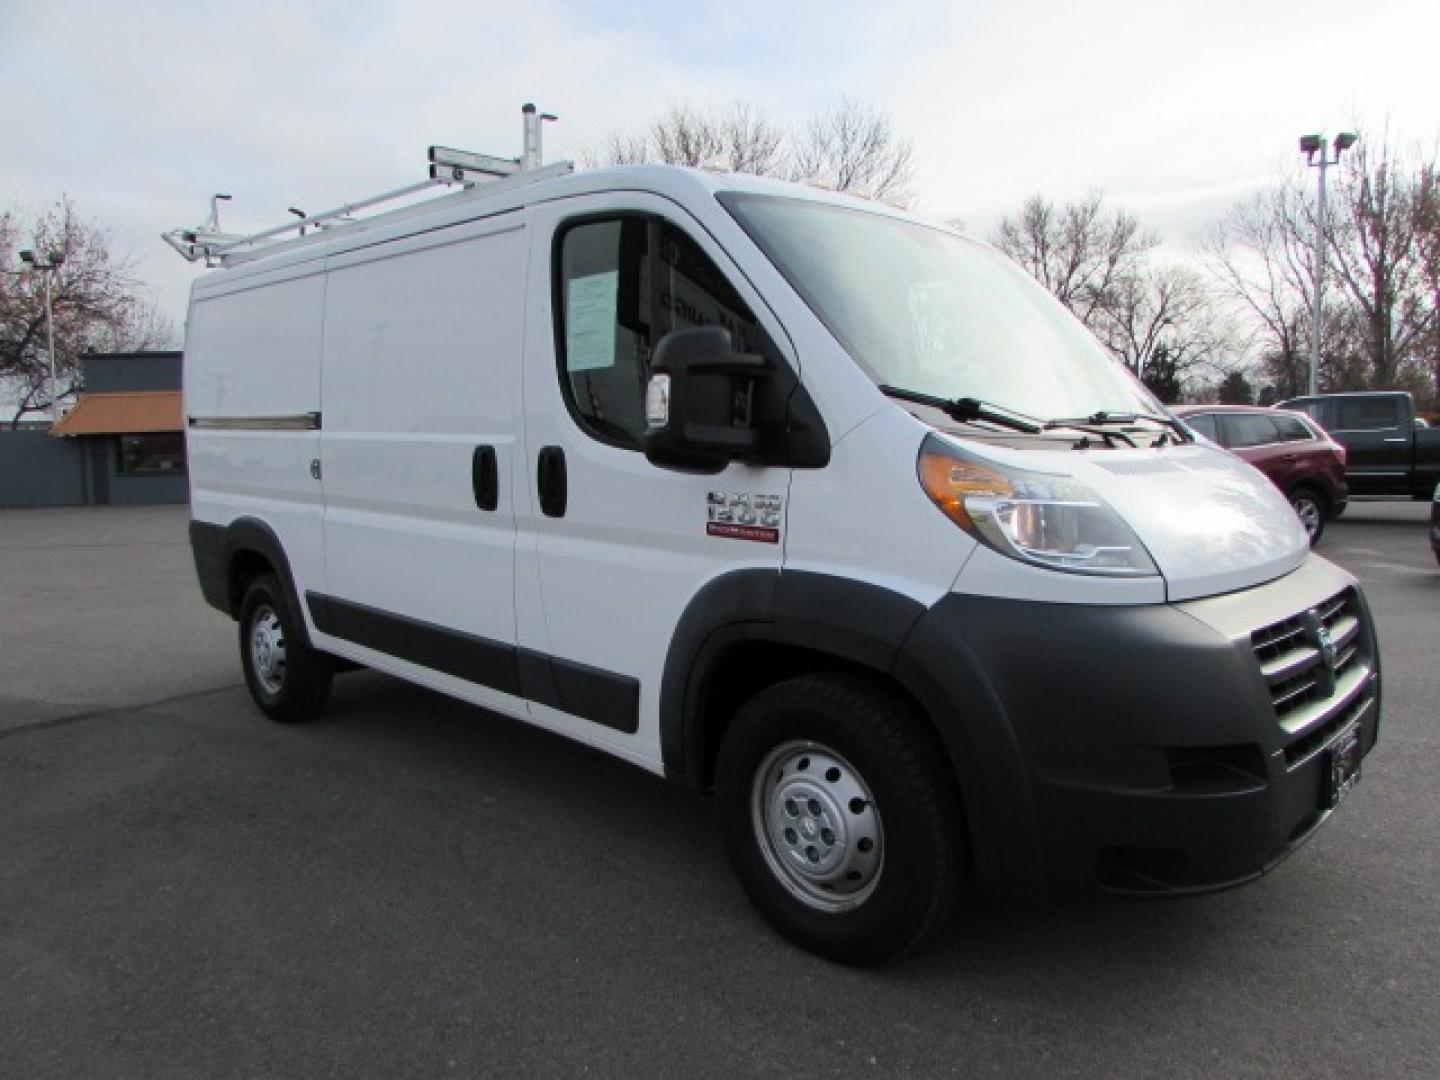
1163 749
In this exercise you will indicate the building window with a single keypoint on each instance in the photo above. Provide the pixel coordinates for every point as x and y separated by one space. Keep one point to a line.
157 454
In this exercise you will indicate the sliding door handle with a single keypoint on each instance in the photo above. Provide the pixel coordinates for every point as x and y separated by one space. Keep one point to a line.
485 478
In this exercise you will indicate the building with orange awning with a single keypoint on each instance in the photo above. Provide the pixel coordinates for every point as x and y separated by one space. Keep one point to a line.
122 443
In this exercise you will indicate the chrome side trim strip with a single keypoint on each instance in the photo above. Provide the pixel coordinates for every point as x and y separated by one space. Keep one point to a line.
294 422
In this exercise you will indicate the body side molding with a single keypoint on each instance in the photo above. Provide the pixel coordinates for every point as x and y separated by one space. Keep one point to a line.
602 697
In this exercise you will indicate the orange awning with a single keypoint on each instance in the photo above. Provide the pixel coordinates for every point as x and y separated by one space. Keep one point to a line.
124 413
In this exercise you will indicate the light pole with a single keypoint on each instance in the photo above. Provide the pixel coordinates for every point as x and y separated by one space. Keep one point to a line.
47 268
1310 145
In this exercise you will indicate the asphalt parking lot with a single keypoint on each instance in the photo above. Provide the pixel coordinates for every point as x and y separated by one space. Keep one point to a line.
412 887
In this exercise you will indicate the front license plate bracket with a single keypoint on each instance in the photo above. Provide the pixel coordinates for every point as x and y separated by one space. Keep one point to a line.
1342 766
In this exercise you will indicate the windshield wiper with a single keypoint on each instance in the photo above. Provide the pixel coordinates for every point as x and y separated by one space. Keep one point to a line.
966 409
1104 419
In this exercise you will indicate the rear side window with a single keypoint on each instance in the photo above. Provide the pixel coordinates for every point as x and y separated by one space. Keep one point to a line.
1205 424
1247 429
1322 412
1368 414
623 283
1292 430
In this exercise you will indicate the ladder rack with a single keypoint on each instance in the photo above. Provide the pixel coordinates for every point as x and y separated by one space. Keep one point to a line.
448 168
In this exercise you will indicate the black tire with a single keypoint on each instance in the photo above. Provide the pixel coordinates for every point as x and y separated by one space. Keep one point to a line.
288 681
916 871
1312 509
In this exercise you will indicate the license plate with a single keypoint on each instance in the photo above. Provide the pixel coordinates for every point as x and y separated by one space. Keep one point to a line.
1342 762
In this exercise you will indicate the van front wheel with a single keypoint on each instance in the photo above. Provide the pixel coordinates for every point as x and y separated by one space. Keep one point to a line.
288 681
841 817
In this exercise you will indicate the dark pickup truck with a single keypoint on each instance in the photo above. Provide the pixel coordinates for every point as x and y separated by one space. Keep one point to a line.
1388 451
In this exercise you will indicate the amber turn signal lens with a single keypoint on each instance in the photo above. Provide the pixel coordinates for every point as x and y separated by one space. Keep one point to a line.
948 480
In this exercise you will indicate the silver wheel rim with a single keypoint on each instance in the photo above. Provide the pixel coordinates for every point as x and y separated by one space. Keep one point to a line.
1308 512
267 649
817 825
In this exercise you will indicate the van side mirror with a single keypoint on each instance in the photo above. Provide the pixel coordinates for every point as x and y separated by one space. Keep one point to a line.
700 401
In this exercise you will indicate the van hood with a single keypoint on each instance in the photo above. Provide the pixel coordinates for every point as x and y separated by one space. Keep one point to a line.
1211 522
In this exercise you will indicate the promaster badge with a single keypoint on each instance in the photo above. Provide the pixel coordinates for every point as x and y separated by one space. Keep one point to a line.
743 515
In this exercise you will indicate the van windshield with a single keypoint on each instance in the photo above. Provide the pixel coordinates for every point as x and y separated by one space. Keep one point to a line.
924 310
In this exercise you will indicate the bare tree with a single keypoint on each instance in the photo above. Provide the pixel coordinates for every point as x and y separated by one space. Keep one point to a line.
1262 265
683 136
621 148
1161 323
1427 213
1379 325
98 305
848 146
741 139
1377 253
852 146
1081 251
753 143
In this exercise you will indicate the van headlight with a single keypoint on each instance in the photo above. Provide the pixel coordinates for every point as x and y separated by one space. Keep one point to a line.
1052 521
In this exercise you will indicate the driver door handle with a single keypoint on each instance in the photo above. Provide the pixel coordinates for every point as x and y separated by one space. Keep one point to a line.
550 482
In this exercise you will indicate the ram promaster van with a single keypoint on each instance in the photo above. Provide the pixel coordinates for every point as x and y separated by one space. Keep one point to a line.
787 496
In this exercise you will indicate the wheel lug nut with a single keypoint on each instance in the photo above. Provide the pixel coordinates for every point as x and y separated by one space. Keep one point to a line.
814 807
828 837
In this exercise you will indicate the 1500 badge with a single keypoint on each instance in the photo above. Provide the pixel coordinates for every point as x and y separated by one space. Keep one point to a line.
743 515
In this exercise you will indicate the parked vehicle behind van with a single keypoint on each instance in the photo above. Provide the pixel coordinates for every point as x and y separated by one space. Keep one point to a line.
787 496
1435 523
1389 450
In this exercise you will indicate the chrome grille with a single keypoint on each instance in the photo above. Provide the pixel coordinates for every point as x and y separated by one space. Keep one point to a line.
1307 688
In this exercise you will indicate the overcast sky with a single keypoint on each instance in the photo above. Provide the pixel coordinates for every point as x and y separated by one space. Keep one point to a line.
140 110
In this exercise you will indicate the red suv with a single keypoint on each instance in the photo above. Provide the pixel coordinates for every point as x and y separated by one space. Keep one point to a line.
1290 448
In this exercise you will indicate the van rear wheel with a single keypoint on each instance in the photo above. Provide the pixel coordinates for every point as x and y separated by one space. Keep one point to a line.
841 817
288 681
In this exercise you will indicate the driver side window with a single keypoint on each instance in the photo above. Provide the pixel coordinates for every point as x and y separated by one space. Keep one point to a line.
622 283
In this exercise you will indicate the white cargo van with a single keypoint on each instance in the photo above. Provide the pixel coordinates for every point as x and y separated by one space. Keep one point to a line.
788 496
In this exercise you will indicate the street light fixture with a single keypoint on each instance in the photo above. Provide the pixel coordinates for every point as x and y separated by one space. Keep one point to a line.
1310 146
48 268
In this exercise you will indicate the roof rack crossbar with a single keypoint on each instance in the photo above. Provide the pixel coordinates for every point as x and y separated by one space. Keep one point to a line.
203 243
448 168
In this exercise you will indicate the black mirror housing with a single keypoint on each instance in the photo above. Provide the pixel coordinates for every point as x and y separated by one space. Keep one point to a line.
699 401
708 405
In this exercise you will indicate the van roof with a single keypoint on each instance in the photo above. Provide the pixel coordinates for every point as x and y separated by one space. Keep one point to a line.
671 181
